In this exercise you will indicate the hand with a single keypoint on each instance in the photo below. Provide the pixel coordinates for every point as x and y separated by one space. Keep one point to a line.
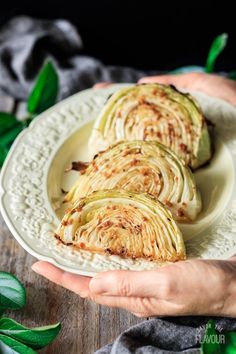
196 287
213 85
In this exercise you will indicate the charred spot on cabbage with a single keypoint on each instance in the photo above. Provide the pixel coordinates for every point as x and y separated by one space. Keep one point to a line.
77 166
143 167
130 225
154 112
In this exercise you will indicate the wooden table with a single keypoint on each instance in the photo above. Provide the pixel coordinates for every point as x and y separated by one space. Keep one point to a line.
85 325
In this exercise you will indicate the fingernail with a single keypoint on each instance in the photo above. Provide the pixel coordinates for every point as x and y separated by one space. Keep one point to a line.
98 285
36 267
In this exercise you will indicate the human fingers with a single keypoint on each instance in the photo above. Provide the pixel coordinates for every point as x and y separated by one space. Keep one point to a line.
126 283
76 283
100 85
80 285
179 80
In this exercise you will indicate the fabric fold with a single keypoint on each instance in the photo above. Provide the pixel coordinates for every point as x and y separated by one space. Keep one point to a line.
26 43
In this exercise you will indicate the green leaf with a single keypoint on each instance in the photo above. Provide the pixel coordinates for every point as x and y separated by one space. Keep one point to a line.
12 346
12 292
215 342
8 138
10 127
45 90
229 347
7 121
43 96
3 154
216 48
231 338
210 343
35 338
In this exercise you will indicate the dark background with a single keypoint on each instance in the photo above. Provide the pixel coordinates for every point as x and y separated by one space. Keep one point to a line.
158 35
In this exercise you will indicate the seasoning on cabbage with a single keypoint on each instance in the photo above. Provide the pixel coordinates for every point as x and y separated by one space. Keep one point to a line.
129 225
154 112
142 167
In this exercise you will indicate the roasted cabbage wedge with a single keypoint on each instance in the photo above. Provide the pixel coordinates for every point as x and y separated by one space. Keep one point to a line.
154 112
143 167
129 225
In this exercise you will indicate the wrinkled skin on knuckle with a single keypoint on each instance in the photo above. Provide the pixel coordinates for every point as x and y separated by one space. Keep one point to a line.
123 284
142 305
92 297
168 287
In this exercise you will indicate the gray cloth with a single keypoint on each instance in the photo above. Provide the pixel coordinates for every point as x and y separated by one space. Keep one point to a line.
26 43
165 336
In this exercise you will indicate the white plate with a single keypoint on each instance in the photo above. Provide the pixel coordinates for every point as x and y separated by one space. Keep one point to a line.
33 175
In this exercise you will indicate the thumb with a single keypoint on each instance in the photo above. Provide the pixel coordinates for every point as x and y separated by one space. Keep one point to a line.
100 85
179 80
126 283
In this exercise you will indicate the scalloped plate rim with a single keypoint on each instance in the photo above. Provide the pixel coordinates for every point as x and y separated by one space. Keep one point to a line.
3 191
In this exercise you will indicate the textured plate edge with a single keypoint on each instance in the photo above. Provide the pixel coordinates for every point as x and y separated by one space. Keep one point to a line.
3 192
